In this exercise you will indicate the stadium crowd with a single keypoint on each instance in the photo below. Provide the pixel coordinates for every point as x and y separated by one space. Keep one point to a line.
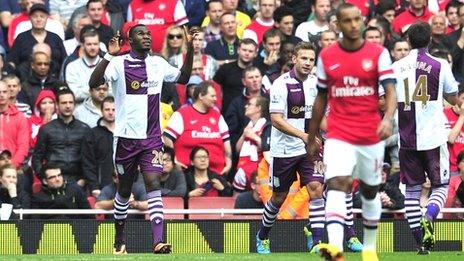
56 133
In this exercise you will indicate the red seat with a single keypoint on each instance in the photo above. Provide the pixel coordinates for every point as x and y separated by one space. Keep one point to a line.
211 203
173 203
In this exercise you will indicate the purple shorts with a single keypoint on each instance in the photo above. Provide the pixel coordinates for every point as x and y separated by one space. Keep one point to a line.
131 154
283 171
435 162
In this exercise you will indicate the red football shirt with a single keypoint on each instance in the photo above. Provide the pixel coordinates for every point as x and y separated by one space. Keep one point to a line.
458 144
402 22
352 79
157 15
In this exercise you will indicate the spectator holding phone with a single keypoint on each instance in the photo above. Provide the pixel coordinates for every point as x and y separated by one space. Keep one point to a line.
201 181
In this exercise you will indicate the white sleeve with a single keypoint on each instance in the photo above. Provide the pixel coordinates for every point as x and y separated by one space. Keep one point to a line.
180 15
74 80
320 73
171 73
250 34
223 128
175 126
450 85
111 72
278 97
301 32
385 66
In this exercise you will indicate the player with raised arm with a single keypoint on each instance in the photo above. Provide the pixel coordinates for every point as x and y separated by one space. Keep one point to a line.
349 73
137 79
291 100
423 80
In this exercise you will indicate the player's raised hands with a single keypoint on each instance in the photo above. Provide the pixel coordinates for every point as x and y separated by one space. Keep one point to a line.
114 46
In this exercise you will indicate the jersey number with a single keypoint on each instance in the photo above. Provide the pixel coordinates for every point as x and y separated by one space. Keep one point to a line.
420 93
157 158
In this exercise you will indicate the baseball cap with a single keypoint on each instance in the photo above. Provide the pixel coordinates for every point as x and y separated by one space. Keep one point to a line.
38 7
194 80
5 153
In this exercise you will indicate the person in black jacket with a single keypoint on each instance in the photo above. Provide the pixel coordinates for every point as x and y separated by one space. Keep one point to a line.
97 150
454 42
60 141
57 194
201 181
10 193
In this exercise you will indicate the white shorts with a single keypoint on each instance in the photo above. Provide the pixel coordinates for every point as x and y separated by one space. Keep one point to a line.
363 162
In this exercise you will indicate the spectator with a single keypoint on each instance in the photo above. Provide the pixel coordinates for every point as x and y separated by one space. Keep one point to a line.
400 49
309 31
97 150
201 180
8 8
22 23
454 42
174 46
195 10
249 145
158 16
229 76
374 35
90 111
56 193
14 129
262 23
4 67
300 10
79 22
283 65
455 190
10 192
137 200
61 10
390 194
209 64
214 11
5 157
283 20
59 142
78 72
14 87
96 10
39 76
44 112
225 48
230 7
200 123
387 10
250 199
272 41
438 28
452 15
417 11
190 88
23 44
172 180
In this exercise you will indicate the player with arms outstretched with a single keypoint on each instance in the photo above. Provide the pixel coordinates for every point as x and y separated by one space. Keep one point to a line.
137 78
423 80
349 73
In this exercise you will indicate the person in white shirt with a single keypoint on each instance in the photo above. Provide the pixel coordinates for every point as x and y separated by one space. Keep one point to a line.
307 30
79 22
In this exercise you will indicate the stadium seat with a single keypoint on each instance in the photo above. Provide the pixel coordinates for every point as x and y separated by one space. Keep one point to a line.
173 203
211 203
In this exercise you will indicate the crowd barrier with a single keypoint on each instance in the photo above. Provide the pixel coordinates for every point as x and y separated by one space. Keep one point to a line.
195 236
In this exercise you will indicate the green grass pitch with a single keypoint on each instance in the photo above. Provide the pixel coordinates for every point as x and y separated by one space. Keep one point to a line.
398 256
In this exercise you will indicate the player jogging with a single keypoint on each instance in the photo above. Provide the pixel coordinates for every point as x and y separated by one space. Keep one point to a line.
423 80
291 100
349 73
137 78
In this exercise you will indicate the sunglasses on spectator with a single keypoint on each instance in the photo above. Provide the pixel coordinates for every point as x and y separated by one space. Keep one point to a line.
172 36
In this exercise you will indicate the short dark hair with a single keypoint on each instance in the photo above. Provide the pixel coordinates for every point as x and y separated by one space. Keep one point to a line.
109 99
210 2
201 89
48 166
88 31
64 91
303 46
248 41
371 28
342 7
249 69
93 1
195 150
452 4
384 6
273 32
282 11
419 35
132 30
397 40
6 166
169 151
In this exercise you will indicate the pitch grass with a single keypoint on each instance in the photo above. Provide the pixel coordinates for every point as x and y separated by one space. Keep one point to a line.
398 256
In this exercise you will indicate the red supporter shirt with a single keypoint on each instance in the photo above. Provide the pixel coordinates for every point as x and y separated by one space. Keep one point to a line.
363 5
256 30
189 128
458 144
402 22
352 79
157 15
